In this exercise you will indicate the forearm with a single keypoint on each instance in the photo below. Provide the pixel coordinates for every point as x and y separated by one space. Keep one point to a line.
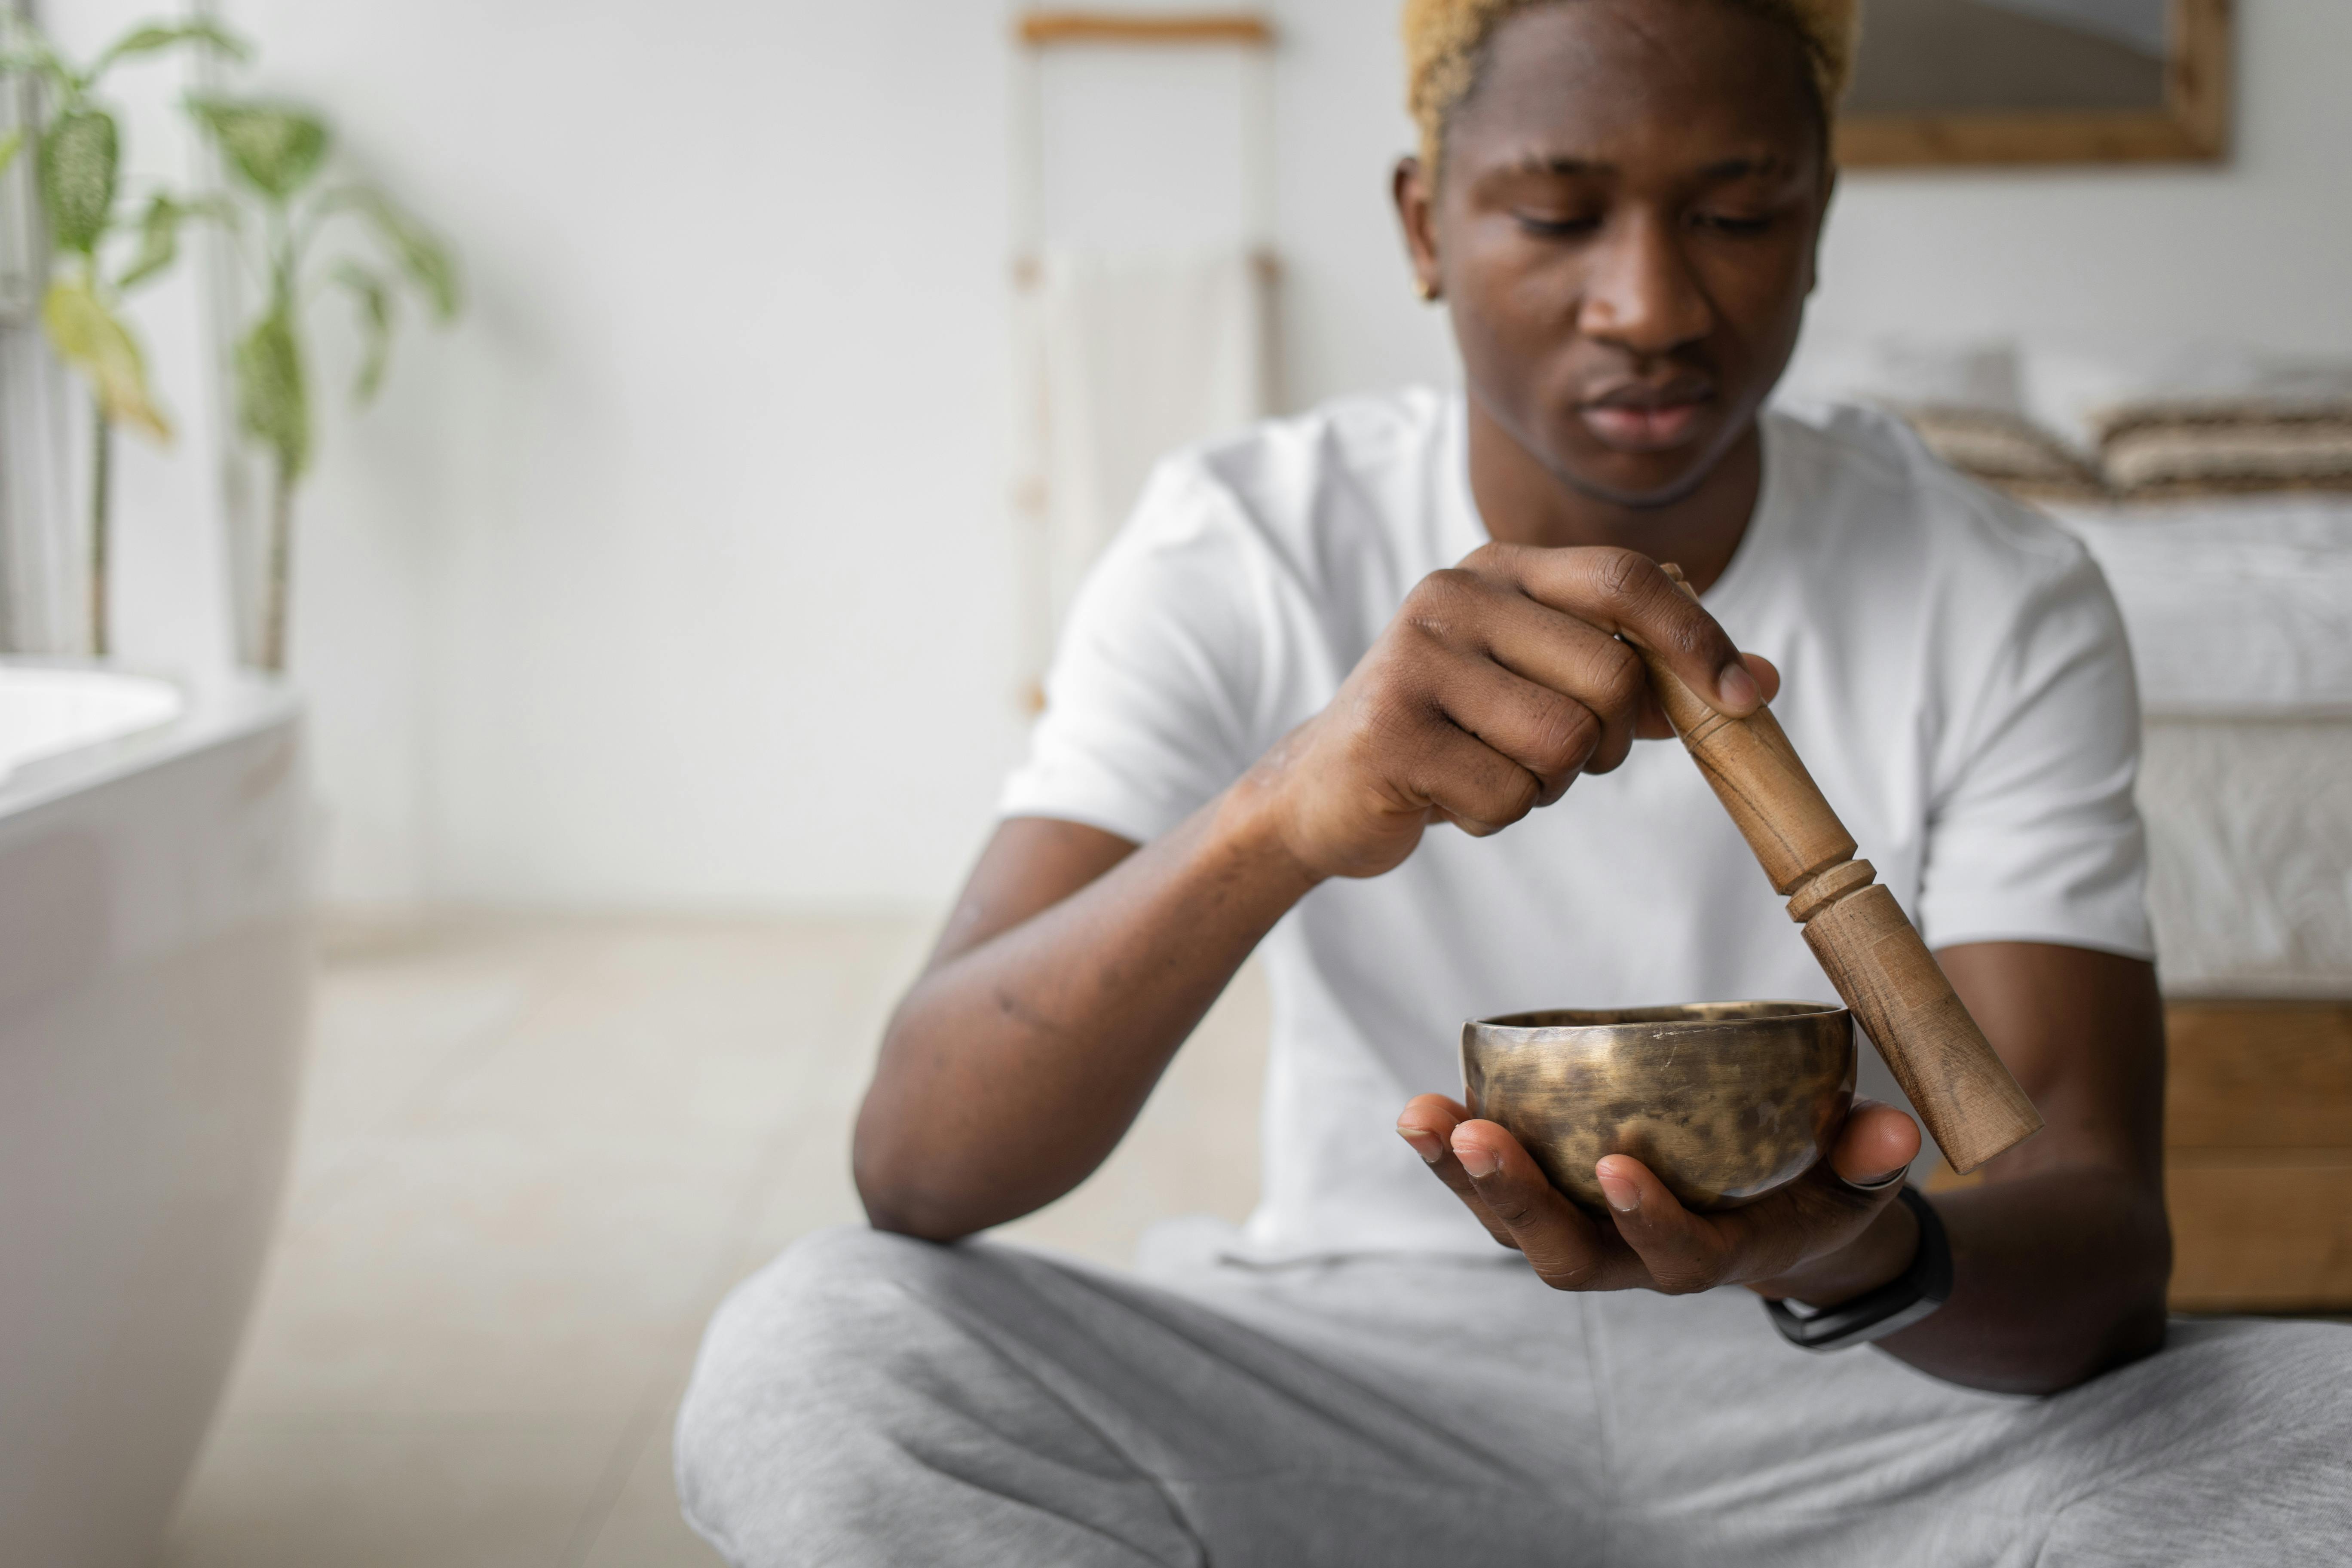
1012 1068
2057 1276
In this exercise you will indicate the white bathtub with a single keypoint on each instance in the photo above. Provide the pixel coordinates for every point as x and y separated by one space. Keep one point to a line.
153 1000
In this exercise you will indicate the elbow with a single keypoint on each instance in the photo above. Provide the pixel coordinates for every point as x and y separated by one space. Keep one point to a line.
887 1172
2131 1335
899 1209
2132 1327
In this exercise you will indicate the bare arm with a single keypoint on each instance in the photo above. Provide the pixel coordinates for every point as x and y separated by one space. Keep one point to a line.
2059 1256
1075 965
1071 971
2061 1253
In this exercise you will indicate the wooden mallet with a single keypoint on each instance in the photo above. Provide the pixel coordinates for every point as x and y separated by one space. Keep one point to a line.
1861 935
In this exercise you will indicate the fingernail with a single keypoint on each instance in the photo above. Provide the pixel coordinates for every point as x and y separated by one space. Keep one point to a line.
1476 1159
1623 1195
1424 1142
1737 688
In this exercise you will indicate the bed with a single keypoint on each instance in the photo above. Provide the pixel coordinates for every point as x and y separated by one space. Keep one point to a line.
2214 486
2239 612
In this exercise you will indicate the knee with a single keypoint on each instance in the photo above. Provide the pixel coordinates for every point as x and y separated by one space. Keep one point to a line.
790 1381
832 1306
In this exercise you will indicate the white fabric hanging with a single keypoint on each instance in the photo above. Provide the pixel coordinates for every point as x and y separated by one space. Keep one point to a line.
1136 356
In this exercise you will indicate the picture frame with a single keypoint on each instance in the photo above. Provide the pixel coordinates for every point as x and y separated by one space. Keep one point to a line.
1920 101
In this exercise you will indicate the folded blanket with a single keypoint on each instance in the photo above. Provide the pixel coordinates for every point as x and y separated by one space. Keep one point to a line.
2006 451
2226 447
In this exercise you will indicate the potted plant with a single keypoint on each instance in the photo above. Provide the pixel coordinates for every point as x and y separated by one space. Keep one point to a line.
77 162
276 154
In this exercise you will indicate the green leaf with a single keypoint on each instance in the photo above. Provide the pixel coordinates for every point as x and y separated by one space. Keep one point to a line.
374 298
159 241
86 335
29 51
159 233
78 156
274 148
10 145
425 259
273 403
155 36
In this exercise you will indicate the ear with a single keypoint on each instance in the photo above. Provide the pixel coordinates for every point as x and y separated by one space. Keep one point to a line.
1416 207
1821 228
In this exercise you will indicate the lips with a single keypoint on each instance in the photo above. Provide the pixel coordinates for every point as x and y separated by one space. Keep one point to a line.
1647 418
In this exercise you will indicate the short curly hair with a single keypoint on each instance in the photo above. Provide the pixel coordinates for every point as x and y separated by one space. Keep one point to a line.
1444 40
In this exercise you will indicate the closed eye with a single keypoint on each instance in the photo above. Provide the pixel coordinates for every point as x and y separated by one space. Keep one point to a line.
1734 222
1547 226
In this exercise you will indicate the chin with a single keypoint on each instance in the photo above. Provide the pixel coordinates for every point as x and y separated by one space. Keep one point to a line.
1642 480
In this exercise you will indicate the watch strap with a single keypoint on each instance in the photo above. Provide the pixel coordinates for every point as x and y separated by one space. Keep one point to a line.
1895 1306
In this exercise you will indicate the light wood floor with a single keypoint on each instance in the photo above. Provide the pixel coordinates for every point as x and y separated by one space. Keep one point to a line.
533 1156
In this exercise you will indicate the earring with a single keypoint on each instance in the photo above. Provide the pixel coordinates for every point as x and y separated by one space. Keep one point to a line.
1426 289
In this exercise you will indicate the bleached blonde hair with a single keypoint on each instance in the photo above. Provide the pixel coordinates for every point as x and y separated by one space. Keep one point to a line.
1443 40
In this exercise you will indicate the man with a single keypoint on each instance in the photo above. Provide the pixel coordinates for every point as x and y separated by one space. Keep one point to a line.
1325 699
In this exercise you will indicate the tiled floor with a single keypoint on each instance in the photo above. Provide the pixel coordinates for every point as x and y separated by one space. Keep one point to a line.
534 1154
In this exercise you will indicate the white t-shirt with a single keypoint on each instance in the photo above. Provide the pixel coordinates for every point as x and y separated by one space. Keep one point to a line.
1953 674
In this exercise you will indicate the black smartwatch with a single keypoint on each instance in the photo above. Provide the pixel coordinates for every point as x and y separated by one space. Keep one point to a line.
1893 1307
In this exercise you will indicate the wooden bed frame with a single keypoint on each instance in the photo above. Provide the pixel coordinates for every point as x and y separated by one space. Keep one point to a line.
2258 1160
2258 1156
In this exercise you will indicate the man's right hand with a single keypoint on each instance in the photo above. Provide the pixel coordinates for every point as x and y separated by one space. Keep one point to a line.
1077 961
1498 682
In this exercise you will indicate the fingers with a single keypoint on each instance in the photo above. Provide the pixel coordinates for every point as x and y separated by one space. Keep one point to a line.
1624 594
1653 1241
1428 1125
1503 680
1683 1252
1595 682
1878 1142
1551 737
1807 1225
1548 691
1566 1250
1469 783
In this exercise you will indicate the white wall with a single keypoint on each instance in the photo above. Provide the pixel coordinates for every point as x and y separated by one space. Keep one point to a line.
680 575
2251 251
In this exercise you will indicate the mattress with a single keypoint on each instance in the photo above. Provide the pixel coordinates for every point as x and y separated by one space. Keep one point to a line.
2250 855
2237 607
2239 614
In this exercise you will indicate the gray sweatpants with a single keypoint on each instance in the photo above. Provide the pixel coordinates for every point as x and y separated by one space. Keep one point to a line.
867 1399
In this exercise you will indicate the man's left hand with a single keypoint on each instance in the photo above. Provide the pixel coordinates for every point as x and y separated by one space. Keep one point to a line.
1820 1238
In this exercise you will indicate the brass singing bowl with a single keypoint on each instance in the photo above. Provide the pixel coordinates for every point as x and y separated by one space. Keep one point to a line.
1725 1100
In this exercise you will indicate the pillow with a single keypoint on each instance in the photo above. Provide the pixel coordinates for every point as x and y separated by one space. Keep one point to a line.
2196 419
2004 450
2226 447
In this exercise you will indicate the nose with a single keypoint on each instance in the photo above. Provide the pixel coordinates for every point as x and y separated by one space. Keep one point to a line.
1640 292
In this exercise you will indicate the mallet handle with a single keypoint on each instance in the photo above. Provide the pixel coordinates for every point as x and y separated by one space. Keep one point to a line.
1865 944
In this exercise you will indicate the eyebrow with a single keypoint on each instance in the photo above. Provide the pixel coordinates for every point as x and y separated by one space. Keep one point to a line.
1720 172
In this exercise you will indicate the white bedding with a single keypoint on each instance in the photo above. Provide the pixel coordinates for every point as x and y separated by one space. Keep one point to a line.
2250 855
2237 607
2239 612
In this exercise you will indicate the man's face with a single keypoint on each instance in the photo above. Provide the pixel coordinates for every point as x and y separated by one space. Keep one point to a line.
1625 230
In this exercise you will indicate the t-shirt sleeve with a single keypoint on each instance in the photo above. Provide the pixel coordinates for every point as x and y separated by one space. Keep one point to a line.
2032 834
1149 701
